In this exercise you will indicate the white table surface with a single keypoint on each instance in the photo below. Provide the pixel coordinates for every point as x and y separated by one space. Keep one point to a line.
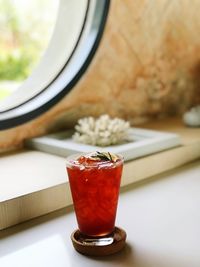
161 217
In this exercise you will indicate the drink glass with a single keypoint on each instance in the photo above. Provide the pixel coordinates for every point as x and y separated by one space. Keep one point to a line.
95 190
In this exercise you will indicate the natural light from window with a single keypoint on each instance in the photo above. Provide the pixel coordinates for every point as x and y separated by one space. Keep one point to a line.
46 48
26 28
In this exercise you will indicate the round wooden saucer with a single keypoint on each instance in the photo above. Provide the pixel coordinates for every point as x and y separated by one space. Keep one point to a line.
118 243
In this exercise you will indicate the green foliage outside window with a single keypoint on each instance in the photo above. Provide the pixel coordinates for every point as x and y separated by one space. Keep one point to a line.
25 29
14 67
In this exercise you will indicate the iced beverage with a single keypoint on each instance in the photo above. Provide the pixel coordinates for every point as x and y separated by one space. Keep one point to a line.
95 181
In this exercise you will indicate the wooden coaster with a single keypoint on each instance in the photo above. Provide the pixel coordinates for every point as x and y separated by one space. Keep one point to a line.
119 241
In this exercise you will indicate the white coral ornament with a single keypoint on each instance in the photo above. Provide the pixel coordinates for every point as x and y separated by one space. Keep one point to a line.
103 131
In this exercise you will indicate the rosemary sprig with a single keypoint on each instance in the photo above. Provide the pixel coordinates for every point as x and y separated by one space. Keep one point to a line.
110 156
106 156
103 156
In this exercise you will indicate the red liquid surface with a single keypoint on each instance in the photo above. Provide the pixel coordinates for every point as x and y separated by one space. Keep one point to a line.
95 192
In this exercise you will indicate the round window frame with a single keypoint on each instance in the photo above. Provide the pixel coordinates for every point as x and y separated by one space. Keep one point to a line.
85 48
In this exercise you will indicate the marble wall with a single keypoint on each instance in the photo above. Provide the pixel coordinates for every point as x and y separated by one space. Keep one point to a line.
147 67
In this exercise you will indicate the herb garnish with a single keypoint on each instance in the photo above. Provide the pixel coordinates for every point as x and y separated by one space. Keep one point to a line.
106 156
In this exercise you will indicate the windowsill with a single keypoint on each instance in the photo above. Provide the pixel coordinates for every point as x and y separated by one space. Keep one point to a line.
35 183
160 216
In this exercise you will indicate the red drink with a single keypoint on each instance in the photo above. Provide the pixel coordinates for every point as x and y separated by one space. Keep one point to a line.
95 184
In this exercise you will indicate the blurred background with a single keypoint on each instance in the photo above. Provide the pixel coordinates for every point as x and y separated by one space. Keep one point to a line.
146 68
25 29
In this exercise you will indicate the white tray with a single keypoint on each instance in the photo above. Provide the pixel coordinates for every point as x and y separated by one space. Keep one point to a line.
144 142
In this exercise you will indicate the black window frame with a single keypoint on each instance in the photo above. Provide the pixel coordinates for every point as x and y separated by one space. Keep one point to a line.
12 117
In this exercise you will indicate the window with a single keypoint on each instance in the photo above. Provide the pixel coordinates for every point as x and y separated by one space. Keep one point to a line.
77 32
26 29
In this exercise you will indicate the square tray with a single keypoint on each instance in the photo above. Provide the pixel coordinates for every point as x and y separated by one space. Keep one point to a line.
144 142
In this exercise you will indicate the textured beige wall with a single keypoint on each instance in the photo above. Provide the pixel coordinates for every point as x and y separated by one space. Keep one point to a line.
147 66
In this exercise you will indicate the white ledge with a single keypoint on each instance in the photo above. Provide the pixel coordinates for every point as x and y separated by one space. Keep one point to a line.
35 183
